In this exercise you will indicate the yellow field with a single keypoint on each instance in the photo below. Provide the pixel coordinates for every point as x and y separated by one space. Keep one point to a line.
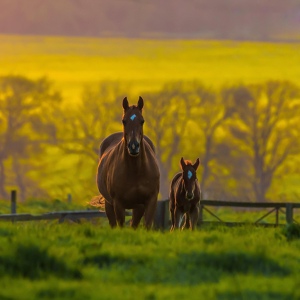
73 62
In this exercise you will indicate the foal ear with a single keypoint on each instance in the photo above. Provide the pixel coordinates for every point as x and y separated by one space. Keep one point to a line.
196 164
182 163
140 103
125 103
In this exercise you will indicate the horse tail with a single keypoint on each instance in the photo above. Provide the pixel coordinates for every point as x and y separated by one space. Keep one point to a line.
98 201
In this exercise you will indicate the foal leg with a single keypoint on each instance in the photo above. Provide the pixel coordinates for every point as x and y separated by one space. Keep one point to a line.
137 214
194 213
177 218
172 216
110 213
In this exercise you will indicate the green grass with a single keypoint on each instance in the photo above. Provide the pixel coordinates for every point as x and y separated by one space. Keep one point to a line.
73 62
42 260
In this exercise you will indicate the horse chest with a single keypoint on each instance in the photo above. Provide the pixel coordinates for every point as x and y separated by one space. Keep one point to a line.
130 187
184 204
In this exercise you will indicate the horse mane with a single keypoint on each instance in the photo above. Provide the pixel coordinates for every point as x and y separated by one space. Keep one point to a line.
188 162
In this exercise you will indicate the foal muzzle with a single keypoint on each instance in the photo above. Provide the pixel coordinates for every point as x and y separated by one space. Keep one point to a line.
189 196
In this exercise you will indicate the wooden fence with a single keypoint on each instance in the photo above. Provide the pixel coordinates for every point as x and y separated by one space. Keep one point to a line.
286 208
162 217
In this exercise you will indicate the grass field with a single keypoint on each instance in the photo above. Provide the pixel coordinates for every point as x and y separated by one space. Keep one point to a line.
72 63
88 261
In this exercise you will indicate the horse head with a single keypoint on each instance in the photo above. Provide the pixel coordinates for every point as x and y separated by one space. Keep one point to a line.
133 126
189 177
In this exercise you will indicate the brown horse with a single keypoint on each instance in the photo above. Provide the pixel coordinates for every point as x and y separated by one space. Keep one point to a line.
185 196
128 173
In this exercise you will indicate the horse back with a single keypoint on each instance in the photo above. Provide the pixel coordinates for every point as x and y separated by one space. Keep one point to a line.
110 142
175 179
174 187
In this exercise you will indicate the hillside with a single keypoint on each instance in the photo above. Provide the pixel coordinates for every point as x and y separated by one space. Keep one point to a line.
198 19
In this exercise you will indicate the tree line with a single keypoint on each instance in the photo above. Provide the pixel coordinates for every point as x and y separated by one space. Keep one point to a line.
233 20
246 136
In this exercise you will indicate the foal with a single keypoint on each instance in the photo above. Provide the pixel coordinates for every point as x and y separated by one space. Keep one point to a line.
185 195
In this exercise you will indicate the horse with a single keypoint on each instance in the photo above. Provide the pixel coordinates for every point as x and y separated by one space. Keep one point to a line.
128 174
185 195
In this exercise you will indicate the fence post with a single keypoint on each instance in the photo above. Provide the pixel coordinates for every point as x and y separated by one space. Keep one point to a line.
69 198
166 218
200 219
289 213
161 220
277 216
13 202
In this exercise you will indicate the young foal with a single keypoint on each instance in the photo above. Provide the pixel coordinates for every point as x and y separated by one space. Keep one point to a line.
185 195
128 173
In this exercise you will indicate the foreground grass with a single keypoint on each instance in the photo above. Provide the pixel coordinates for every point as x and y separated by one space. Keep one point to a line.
145 64
42 260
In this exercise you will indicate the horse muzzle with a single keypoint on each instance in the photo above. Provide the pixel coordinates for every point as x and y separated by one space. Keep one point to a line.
189 196
133 148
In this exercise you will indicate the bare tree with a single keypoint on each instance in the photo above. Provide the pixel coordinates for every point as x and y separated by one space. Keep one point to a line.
166 116
209 114
265 128
83 128
27 114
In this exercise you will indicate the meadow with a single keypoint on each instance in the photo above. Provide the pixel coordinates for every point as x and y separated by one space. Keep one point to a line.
44 260
71 63
47 260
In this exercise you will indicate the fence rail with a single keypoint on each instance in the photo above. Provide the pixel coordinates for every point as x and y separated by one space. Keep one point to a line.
162 217
61 216
286 208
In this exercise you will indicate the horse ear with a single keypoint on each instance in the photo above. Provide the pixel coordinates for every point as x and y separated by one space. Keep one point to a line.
196 164
182 163
140 103
125 103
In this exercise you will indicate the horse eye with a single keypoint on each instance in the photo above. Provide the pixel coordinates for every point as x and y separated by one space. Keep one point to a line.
142 122
124 122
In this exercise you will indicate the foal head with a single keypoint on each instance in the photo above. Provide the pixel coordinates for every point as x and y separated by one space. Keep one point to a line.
189 177
133 126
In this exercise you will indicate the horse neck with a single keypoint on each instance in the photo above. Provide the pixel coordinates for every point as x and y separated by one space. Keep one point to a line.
130 160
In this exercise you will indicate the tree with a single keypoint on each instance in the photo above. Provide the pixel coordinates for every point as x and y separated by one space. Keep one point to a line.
209 114
27 114
265 130
81 131
166 114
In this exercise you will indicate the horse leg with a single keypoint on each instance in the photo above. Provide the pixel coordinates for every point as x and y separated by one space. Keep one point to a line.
150 212
110 213
120 213
194 213
172 216
177 217
137 214
187 221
